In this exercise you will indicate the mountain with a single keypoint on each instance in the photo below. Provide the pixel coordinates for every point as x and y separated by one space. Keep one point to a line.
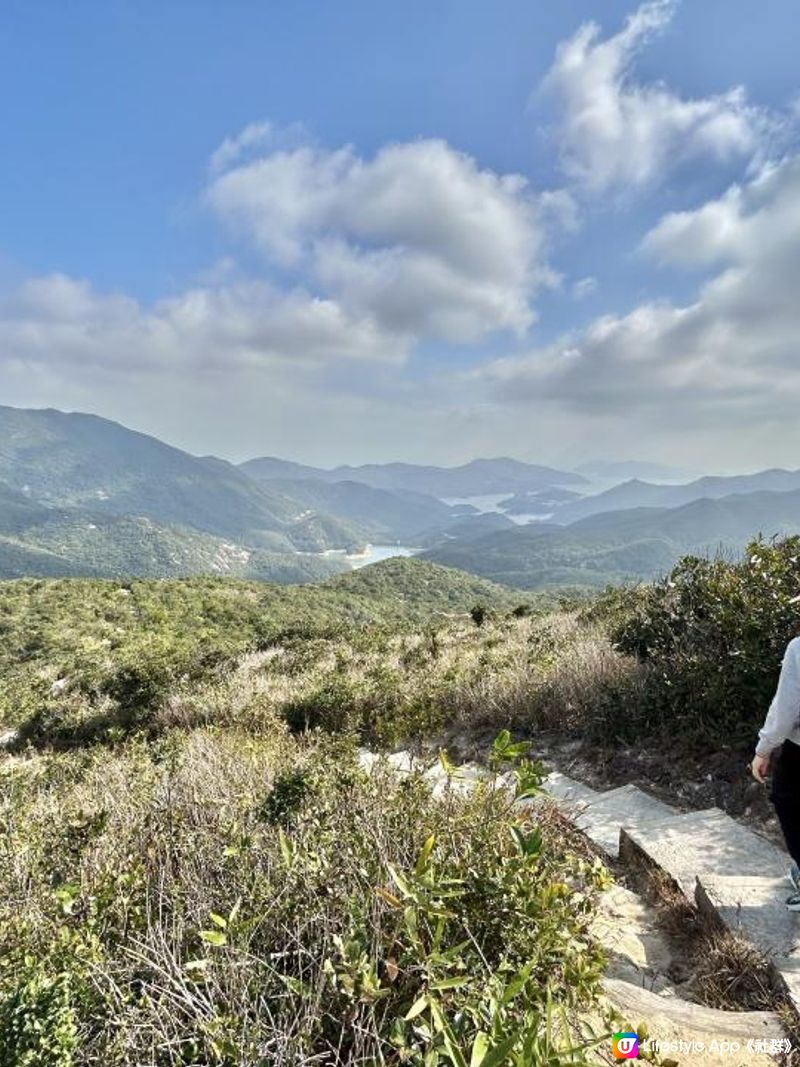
611 470
50 458
77 460
269 468
702 524
636 493
466 528
411 584
378 515
480 477
17 511
80 495
611 547
38 541
536 503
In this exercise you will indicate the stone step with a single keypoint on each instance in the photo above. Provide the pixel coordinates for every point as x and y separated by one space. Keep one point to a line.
672 1018
701 844
602 816
462 781
402 762
754 907
367 759
568 791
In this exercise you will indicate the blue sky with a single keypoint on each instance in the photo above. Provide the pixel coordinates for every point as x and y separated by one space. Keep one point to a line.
431 242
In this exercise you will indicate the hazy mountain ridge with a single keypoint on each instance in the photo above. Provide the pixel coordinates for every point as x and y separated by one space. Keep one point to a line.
630 544
378 514
477 478
636 493
83 496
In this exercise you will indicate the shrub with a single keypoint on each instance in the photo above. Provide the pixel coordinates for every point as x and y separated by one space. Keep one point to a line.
364 921
712 635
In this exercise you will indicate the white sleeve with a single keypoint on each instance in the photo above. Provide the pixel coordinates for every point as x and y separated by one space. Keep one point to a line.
784 711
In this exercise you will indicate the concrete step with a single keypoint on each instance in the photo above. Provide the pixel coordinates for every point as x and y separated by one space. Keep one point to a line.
671 1018
754 907
402 762
462 781
602 816
702 844
568 791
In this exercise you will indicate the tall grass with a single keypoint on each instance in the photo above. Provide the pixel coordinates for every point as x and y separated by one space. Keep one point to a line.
213 898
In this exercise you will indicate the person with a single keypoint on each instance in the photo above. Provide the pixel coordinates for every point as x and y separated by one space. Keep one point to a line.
778 748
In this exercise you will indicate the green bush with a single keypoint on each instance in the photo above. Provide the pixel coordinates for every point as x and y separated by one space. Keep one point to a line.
712 635
154 915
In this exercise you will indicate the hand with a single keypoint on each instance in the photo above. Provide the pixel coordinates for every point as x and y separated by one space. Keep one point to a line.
759 768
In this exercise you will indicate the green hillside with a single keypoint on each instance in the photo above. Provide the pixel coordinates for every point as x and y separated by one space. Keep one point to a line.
36 541
618 546
376 514
413 586
104 635
75 460
203 872
117 502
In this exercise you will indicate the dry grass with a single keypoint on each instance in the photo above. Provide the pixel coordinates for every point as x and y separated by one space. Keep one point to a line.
116 862
730 973
526 674
713 966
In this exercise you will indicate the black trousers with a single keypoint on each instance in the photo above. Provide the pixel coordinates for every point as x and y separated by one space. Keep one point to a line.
785 795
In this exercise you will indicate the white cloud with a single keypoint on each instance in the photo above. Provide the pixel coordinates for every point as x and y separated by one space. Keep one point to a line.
730 359
231 150
419 237
418 243
616 132
584 287
64 323
757 221
254 138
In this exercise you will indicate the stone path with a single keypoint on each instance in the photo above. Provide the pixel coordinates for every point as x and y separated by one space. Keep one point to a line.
735 876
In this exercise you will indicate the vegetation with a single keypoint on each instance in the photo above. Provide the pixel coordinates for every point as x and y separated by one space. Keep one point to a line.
94 659
221 898
621 545
710 639
197 870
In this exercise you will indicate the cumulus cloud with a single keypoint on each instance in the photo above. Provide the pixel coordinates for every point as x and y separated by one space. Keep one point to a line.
614 131
65 323
419 237
365 259
417 243
731 354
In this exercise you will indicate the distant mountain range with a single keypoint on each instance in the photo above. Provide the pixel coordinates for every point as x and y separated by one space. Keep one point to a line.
636 493
609 470
83 496
481 477
617 546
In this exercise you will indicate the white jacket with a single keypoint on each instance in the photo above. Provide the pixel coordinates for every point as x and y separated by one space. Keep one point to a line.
783 719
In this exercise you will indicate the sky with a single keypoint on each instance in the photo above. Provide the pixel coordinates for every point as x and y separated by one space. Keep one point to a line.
356 232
